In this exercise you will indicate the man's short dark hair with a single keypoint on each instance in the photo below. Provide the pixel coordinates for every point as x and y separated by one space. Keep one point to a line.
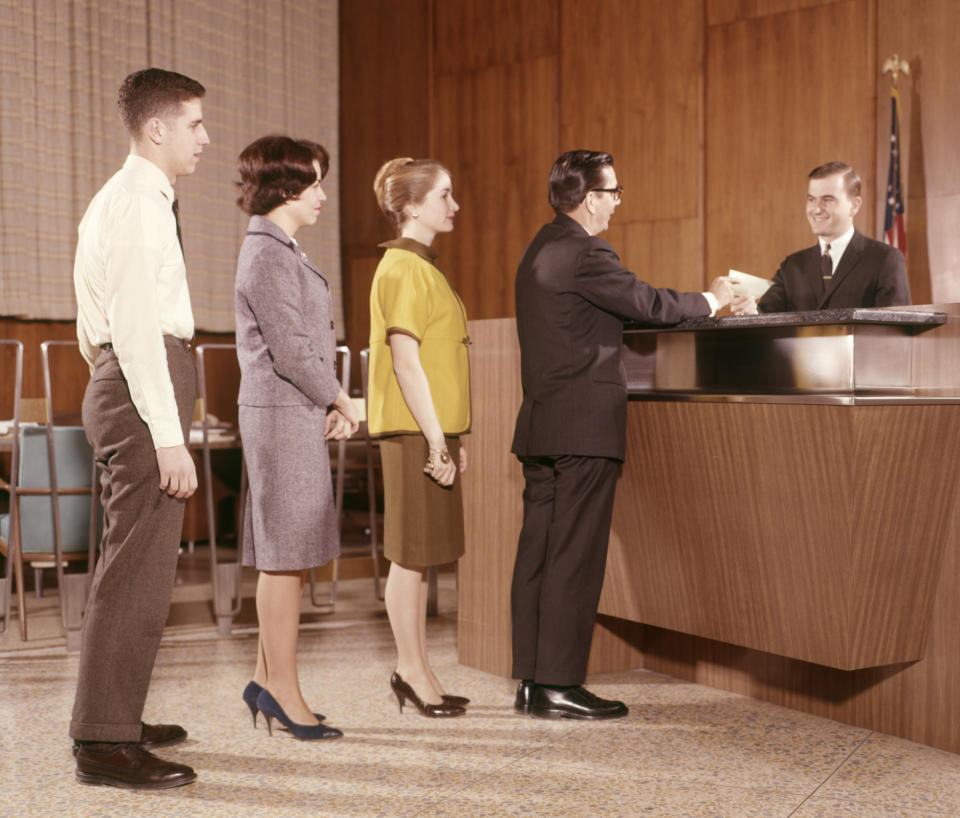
573 175
274 169
153 92
851 179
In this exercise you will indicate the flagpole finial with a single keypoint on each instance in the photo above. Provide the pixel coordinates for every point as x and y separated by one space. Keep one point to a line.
895 66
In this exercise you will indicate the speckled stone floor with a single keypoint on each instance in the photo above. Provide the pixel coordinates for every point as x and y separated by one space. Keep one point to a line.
684 750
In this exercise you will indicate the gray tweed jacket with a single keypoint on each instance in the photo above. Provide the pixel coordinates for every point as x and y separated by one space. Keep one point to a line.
286 341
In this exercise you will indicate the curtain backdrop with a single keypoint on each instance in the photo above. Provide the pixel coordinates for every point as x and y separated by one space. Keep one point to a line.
267 67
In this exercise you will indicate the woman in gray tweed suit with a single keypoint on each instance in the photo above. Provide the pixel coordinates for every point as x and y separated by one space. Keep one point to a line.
291 403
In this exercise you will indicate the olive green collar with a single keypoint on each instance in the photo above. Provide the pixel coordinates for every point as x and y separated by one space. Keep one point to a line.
412 245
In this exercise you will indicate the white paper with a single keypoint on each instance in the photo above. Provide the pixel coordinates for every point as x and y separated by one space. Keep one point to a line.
746 284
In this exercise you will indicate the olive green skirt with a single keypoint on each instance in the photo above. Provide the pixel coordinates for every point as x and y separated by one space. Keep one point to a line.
423 521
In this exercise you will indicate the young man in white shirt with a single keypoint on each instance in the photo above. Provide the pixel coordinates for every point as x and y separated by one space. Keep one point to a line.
134 325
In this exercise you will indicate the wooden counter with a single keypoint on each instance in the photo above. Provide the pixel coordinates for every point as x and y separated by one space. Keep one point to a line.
806 553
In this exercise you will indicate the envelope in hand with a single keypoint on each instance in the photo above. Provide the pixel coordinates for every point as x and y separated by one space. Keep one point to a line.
746 284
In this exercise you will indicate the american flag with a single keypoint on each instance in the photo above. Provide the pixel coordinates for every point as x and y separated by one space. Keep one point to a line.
894 231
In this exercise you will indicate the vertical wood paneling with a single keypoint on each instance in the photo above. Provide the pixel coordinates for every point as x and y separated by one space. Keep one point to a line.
924 32
384 112
663 253
488 130
493 123
630 90
475 34
785 93
726 11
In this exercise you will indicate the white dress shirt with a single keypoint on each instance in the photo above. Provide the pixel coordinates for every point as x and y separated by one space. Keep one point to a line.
837 247
131 286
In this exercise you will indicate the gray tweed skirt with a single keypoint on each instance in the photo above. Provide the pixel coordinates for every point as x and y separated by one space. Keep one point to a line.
290 520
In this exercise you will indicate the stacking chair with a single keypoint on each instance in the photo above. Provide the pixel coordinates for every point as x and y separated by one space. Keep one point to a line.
72 476
225 576
11 361
53 505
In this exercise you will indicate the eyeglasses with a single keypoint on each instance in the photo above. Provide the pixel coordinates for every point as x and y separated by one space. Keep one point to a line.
617 192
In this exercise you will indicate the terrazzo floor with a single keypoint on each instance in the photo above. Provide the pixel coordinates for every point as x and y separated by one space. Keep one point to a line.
684 750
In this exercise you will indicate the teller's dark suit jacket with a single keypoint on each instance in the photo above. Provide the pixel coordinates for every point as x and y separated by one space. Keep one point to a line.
870 274
573 295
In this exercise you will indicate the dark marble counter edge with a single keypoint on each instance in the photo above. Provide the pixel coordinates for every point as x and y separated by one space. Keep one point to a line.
899 316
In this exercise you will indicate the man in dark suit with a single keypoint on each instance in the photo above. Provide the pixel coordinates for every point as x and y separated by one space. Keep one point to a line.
844 268
573 295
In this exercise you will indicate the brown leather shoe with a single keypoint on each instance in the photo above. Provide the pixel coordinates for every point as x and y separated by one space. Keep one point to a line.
129 766
161 735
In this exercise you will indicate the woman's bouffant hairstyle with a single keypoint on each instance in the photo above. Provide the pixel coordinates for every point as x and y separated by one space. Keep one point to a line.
573 175
274 169
404 181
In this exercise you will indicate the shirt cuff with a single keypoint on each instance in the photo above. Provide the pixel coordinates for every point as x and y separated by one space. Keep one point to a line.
712 301
166 433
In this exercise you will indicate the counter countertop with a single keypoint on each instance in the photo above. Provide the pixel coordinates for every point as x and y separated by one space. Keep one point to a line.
856 315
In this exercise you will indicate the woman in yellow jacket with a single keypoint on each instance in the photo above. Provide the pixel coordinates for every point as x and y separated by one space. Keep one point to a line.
419 405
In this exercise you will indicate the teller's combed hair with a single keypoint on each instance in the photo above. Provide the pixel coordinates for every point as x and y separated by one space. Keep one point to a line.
851 179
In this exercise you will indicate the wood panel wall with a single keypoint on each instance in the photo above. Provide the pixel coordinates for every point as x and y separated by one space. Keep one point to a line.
924 33
778 106
496 91
494 124
384 113
715 111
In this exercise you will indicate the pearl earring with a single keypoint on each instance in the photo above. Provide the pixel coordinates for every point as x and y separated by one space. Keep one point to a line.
415 214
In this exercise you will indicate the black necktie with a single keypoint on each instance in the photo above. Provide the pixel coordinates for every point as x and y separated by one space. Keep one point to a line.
176 218
826 267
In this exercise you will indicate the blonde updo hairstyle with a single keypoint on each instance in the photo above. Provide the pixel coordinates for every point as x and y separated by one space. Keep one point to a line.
402 182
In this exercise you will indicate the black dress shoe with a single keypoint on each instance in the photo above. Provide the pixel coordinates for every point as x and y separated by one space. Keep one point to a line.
573 703
153 735
129 766
524 694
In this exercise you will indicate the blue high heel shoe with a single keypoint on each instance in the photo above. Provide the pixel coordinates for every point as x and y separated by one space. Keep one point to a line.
250 693
271 709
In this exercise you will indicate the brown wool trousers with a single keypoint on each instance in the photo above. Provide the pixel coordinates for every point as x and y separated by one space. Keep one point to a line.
130 594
